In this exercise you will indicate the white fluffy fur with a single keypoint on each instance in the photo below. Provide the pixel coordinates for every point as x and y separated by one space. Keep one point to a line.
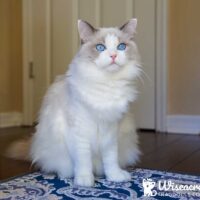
85 126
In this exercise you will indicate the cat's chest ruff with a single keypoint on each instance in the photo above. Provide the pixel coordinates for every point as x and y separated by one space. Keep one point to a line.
110 96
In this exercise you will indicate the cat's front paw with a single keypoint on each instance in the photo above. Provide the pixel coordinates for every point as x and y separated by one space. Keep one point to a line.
118 175
84 180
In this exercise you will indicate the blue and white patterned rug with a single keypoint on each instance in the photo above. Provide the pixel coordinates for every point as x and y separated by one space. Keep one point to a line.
145 184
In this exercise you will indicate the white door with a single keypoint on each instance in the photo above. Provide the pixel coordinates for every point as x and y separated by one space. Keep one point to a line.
146 32
110 13
36 55
64 42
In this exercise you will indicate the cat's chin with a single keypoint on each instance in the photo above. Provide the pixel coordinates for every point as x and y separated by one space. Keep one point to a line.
113 68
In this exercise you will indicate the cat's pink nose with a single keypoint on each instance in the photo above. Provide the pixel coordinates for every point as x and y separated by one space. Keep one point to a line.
113 56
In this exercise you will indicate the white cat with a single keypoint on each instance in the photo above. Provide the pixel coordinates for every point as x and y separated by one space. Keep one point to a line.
85 126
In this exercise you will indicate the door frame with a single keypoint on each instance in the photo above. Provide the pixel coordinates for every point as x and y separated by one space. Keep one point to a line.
161 65
160 59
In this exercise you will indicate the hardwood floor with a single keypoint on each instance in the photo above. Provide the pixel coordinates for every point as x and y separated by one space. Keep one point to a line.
10 167
171 152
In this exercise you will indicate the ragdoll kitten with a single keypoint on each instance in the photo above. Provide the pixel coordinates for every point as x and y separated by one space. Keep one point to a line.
85 126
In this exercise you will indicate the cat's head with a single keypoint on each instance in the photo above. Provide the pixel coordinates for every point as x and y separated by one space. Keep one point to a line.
110 49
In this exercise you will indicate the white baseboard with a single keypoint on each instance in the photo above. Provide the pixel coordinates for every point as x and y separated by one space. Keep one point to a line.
185 124
10 119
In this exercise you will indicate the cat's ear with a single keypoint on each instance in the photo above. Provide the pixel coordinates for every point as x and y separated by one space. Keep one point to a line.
85 30
129 27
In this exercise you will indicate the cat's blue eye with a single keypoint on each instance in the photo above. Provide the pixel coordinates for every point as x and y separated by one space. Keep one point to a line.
121 47
100 47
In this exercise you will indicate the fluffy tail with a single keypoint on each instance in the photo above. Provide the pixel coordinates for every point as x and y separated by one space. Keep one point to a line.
19 150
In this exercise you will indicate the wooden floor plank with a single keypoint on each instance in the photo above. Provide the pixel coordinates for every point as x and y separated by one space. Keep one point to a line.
11 167
150 142
164 158
190 165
